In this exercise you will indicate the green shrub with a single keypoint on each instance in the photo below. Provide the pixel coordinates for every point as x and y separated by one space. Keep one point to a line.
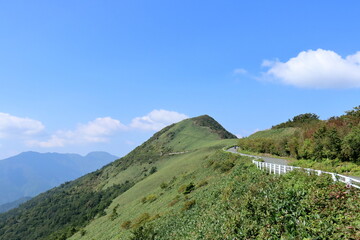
202 183
163 185
143 218
188 205
189 188
102 213
126 225
182 188
150 198
249 204
143 233
114 213
153 170
224 166
82 232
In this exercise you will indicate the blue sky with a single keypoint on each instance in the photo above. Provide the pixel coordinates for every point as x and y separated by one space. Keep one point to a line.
78 76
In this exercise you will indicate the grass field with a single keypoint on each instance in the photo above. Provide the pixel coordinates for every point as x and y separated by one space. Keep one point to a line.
274 133
239 201
175 171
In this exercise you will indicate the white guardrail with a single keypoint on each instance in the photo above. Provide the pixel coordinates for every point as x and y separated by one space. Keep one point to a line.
282 169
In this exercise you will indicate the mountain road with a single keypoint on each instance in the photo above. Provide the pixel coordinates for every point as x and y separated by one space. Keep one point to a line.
270 160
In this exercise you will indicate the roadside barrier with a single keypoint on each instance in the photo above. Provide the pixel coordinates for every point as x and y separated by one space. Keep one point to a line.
282 169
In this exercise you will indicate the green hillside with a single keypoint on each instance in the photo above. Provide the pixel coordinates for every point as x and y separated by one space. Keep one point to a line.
274 133
180 184
211 194
62 211
330 145
242 202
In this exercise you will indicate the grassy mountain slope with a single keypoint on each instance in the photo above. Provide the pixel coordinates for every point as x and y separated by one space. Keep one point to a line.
246 203
170 189
274 133
211 194
62 211
154 194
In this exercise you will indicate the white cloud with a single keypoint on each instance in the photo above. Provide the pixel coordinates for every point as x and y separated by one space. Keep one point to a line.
317 69
12 126
100 129
93 132
157 119
239 71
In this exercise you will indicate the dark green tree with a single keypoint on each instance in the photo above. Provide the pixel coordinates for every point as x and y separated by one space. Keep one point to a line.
327 143
351 146
306 117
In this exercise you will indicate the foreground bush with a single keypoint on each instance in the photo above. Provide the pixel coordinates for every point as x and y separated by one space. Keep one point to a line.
249 204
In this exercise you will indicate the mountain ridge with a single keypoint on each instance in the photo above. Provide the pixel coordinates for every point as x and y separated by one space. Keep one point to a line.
202 193
30 173
111 181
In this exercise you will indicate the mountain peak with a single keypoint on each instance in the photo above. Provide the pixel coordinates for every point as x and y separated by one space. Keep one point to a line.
100 154
172 152
186 135
213 125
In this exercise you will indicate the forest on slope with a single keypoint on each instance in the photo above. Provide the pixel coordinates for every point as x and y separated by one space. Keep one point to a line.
334 140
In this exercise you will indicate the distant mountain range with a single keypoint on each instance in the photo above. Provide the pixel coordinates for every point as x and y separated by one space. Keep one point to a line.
30 173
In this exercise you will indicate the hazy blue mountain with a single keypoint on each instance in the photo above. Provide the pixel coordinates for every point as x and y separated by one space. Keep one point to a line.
8 206
31 173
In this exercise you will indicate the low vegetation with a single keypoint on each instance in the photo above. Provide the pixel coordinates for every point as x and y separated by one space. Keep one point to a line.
72 210
247 203
148 199
203 193
306 137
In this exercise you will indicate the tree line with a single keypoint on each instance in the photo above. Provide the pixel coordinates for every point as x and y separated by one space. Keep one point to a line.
335 138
